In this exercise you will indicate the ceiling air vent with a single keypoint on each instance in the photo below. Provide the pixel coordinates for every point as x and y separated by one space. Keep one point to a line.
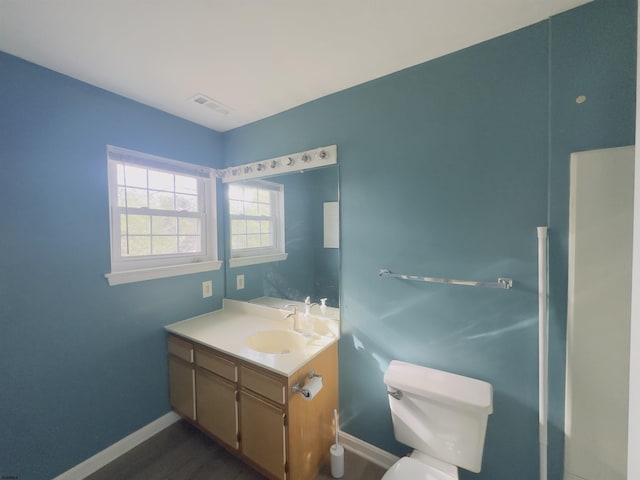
210 103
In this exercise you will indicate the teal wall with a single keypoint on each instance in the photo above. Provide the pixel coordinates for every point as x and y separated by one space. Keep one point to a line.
446 169
593 53
82 364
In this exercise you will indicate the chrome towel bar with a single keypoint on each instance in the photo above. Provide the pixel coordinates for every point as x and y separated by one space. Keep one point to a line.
504 283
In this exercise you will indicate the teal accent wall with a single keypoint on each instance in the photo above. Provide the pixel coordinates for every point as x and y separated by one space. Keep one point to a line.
82 364
446 169
592 53
443 171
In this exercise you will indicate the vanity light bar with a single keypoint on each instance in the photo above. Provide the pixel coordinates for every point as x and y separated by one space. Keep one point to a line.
294 162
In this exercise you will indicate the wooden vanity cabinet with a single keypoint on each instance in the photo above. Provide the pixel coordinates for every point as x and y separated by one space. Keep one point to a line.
217 395
269 408
263 413
182 394
310 422
253 411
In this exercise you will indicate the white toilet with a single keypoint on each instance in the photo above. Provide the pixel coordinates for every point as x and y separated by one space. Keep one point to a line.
442 416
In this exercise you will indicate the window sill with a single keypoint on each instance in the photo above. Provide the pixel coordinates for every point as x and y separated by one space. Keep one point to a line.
130 276
244 261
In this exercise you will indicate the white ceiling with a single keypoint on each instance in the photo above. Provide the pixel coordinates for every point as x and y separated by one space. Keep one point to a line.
258 57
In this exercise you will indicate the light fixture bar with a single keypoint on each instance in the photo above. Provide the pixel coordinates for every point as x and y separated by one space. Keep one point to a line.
294 162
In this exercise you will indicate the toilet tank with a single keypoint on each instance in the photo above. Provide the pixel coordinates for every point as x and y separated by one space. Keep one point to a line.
439 413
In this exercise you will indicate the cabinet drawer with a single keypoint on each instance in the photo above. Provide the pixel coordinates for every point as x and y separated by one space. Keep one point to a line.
180 348
217 364
265 385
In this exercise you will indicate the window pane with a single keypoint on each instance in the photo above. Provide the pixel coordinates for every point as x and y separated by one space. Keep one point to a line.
135 176
264 210
161 200
136 198
250 208
235 192
186 185
264 196
265 240
238 226
250 194
138 224
137 246
236 207
164 225
253 240
187 202
238 241
189 244
121 197
265 226
164 245
120 174
253 226
161 181
189 226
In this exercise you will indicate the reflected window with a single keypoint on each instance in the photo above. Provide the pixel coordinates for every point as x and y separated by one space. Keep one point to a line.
256 218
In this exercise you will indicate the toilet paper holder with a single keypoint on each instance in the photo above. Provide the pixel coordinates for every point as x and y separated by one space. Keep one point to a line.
297 388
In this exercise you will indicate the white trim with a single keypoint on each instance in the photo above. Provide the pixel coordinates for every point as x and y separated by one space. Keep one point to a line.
633 443
109 454
244 261
130 276
369 452
570 476
206 213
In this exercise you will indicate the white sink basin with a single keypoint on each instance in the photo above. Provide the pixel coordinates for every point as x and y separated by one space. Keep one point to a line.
277 341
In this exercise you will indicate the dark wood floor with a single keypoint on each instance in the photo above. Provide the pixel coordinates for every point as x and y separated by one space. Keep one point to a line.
182 452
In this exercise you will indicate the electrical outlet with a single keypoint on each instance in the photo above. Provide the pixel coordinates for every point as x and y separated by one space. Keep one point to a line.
239 282
207 289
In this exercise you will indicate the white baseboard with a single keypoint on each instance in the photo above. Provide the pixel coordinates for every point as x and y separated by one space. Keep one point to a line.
571 476
367 451
100 459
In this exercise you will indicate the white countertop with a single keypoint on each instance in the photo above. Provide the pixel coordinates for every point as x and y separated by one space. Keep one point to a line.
227 330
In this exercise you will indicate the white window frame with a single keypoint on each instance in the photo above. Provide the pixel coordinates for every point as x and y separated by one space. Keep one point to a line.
254 256
134 269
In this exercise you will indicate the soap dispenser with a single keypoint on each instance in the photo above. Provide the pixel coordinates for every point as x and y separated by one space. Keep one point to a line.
323 306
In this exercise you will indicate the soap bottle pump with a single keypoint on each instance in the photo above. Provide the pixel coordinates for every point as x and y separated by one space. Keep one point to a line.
323 306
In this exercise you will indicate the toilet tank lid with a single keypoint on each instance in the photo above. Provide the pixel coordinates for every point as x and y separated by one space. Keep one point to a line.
436 384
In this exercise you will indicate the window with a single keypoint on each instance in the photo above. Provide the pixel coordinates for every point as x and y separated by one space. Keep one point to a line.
162 217
256 218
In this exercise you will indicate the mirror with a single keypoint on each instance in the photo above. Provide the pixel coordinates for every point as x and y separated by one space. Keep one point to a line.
310 268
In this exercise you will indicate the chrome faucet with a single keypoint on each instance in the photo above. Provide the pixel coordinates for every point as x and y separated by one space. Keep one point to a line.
308 304
294 314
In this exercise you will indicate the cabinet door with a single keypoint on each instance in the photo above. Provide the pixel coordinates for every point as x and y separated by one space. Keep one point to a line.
182 387
217 407
263 434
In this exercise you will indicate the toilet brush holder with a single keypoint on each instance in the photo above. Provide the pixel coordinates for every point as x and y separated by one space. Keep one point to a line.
337 452
337 461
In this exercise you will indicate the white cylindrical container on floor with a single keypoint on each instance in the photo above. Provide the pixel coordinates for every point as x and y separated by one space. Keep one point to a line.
337 461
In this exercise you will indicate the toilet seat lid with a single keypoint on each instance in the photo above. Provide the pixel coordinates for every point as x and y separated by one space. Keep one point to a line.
410 468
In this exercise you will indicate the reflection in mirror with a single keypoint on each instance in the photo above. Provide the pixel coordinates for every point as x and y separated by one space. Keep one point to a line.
310 263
